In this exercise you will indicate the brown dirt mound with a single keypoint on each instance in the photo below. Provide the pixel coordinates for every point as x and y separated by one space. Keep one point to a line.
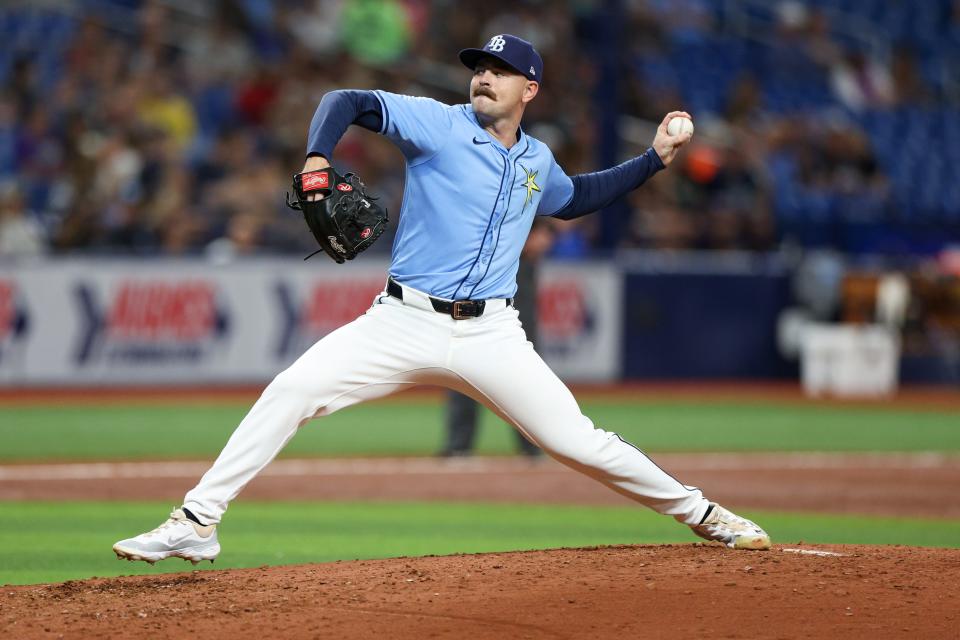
608 592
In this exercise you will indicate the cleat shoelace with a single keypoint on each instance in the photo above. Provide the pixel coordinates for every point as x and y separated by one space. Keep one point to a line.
172 520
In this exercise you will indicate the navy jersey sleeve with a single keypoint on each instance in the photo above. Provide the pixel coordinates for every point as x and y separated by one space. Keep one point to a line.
418 126
593 191
337 111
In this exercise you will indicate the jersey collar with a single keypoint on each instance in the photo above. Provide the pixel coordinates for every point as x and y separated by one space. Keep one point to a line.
481 136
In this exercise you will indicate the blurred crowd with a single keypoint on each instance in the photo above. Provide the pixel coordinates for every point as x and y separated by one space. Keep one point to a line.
172 128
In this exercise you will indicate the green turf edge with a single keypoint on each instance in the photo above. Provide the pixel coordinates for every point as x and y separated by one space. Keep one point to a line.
55 541
200 431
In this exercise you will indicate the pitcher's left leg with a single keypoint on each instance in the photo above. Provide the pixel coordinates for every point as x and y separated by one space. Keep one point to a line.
512 380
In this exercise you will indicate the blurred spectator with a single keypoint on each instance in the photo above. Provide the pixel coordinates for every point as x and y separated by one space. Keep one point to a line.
119 165
861 82
163 108
738 200
909 86
256 96
181 234
23 85
315 24
375 31
8 136
241 239
806 29
658 222
219 52
20 234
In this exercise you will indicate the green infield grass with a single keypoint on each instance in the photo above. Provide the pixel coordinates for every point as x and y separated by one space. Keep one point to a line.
195 430
56 541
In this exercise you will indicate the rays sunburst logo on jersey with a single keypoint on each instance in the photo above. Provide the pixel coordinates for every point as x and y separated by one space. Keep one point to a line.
530 184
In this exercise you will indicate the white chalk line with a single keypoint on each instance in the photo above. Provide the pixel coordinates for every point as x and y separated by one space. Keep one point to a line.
678 463
813 552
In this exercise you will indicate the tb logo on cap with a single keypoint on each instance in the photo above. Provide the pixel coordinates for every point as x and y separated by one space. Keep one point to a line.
496 44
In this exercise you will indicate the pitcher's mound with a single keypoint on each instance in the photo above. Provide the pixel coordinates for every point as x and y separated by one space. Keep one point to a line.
674 591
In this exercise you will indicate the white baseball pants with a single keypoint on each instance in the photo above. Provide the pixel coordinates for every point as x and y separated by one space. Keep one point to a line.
397 344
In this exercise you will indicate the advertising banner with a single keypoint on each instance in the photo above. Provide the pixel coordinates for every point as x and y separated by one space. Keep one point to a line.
164 321
580 320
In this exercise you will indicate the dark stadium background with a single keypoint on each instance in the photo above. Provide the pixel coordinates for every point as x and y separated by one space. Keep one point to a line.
827 149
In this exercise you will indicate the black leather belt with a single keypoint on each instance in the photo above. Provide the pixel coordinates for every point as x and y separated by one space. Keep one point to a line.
456 309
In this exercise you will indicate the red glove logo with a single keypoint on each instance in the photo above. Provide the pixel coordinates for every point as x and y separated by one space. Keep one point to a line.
316 180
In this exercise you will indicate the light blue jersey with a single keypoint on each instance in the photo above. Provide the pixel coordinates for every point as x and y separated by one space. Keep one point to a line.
469 203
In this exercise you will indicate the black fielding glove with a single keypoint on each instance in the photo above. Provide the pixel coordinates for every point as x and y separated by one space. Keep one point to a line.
346 221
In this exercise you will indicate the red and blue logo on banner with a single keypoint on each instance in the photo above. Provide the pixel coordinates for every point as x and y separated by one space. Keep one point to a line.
151 321
565 316
324 307
14 320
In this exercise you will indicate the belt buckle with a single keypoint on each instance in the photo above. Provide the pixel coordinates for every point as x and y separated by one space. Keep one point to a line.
457 312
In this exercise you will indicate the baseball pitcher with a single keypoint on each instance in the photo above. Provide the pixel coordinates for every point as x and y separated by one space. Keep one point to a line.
474 183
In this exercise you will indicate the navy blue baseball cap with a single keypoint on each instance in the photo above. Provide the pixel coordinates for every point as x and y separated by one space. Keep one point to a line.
516 52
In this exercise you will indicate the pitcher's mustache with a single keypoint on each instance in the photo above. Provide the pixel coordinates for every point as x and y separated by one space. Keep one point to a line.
485 92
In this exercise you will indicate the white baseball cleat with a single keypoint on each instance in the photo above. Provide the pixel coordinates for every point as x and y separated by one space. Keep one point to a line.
178 537
728 528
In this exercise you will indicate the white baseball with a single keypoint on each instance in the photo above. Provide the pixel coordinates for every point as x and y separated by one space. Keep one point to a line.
679 125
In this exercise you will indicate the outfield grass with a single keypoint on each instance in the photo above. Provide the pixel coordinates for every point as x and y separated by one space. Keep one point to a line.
415 428
52 542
